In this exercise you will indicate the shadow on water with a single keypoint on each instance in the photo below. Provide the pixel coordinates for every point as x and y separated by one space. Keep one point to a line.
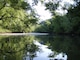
66 44
23 47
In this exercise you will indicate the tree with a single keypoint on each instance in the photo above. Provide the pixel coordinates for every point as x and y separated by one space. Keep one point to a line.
14 15
74 16
68 23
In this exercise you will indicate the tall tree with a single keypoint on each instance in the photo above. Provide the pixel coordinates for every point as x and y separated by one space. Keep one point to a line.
14 15
74 17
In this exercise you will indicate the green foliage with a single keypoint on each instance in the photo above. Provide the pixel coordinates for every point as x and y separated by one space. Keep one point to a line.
14 16
74 16
4 30
58 24
43 27
61 24
64 24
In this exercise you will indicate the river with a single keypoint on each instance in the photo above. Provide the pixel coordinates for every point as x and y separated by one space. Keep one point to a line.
32 46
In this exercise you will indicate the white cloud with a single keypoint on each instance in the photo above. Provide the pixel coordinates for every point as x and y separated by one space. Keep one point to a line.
44 14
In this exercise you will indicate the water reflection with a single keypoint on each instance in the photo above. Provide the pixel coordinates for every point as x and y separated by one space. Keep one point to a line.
68 45
16 47
39 47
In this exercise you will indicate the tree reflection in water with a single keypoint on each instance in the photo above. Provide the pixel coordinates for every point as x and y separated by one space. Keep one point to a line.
17 47
23 48
61 43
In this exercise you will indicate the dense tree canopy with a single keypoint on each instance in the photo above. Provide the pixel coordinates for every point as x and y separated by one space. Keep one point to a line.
14 15
68 23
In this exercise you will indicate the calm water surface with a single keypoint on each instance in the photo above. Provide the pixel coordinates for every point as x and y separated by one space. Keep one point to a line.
41 47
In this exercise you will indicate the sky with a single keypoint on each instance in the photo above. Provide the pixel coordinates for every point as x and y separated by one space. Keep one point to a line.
45 14
40 9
